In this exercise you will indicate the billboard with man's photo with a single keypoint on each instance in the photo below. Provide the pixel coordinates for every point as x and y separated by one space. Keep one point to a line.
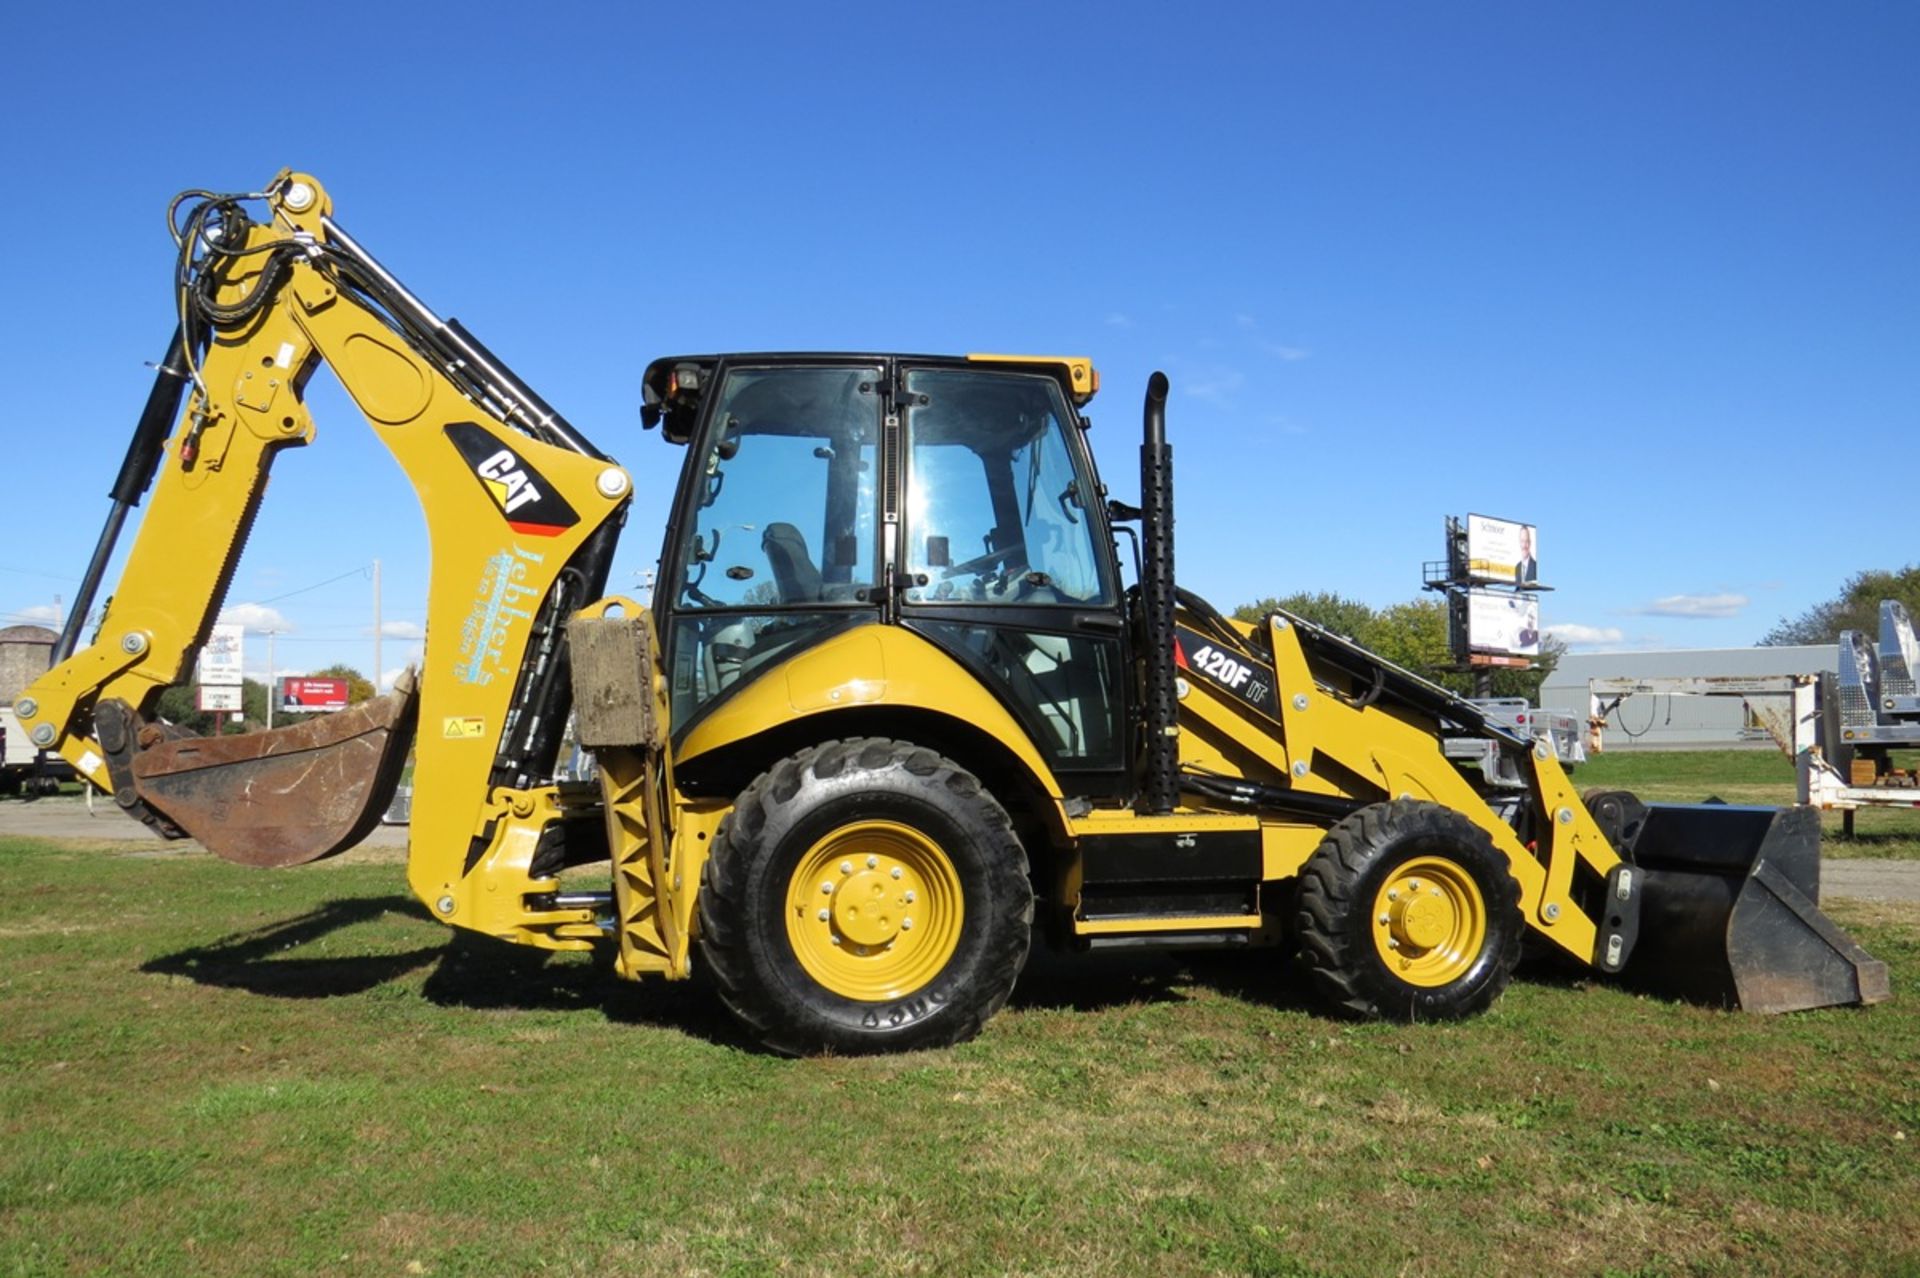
1501 551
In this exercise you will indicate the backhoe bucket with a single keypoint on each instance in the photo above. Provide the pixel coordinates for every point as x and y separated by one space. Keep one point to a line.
288 796
1729 907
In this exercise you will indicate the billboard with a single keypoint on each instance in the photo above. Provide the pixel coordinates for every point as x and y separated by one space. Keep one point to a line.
220 658
1503 623
1501 551
224 698
299 694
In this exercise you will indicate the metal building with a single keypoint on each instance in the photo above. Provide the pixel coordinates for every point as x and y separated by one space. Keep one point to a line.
1678 723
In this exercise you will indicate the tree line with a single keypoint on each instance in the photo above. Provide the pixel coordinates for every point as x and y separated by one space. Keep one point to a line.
1411 634
1855 607
179 704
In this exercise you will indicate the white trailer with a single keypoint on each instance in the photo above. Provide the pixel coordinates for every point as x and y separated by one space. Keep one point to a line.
22 766
1792 710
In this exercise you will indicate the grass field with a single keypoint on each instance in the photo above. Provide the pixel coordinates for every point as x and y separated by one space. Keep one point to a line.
1748 776
211 1070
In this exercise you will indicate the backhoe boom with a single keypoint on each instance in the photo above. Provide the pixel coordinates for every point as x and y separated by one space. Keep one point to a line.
521 513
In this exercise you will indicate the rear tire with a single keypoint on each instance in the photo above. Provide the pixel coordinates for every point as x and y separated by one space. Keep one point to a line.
1408 912
864 896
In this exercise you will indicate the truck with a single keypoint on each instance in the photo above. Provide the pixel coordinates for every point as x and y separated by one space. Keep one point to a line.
914 690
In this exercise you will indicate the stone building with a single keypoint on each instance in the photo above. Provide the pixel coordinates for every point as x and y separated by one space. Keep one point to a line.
25 654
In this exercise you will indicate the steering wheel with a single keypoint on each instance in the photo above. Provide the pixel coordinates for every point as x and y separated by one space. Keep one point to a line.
980 563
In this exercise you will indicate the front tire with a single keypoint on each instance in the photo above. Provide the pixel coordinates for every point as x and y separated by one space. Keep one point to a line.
1408 912
865 895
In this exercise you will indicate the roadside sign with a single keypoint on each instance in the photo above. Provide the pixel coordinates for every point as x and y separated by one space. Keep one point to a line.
299 694
220 662
1501 551
217 697
1506 624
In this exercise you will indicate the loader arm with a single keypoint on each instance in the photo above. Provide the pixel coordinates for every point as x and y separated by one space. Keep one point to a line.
521 517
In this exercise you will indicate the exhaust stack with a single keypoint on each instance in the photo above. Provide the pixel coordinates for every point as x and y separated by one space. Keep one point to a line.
1161 785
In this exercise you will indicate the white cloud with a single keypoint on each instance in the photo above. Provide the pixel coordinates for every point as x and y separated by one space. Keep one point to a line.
1575 635
1281 351
403 630
257 670
1245 320
1116 319
39 613
1215 388
255 617
388 676
1712 606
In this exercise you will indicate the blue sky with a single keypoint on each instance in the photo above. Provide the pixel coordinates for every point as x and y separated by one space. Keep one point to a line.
1646 275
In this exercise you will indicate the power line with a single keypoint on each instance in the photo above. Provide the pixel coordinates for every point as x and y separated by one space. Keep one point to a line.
361 571
28 572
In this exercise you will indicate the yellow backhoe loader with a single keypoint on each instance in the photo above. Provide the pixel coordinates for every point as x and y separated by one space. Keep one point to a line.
891 707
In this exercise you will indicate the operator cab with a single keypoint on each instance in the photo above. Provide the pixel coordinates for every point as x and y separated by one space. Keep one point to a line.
954 497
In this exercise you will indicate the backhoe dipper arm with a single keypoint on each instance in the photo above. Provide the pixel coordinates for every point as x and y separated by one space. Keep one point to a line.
521 512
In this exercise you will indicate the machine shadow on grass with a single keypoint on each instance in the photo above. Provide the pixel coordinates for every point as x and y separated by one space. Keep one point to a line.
463 971
470 971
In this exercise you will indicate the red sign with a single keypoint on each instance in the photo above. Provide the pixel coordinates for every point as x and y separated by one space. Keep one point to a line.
299 693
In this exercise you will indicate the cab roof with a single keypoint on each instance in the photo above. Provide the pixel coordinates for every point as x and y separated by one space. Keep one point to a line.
1075 373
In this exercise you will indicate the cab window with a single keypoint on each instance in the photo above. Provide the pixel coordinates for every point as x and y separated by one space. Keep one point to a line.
785 508
997 499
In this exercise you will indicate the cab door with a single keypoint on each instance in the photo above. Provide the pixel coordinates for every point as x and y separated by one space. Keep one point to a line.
776 539
1005 561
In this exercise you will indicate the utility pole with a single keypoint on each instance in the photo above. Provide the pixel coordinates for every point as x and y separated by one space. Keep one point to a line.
270 635
376 627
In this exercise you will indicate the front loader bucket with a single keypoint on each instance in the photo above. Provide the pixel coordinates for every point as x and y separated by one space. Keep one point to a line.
1729 907
288 796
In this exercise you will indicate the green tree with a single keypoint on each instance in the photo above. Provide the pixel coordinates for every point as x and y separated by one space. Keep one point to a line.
1856 607
1411 634
179 705
253 704
358 687
1337 613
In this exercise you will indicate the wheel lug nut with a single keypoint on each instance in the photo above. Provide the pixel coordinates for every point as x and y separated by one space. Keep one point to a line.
826 887
1414 884
1384 919
909 897
834 939
906 925
1392 944
872 861
825 915
846 867
896 871
1393 894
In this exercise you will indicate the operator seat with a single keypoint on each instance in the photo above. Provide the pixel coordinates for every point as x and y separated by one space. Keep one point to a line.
794 572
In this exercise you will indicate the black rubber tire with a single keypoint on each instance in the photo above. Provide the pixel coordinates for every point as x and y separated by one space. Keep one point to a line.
1335 927
743 939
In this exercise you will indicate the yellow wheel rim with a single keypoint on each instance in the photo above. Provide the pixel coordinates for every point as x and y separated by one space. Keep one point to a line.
1429 921
874 910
